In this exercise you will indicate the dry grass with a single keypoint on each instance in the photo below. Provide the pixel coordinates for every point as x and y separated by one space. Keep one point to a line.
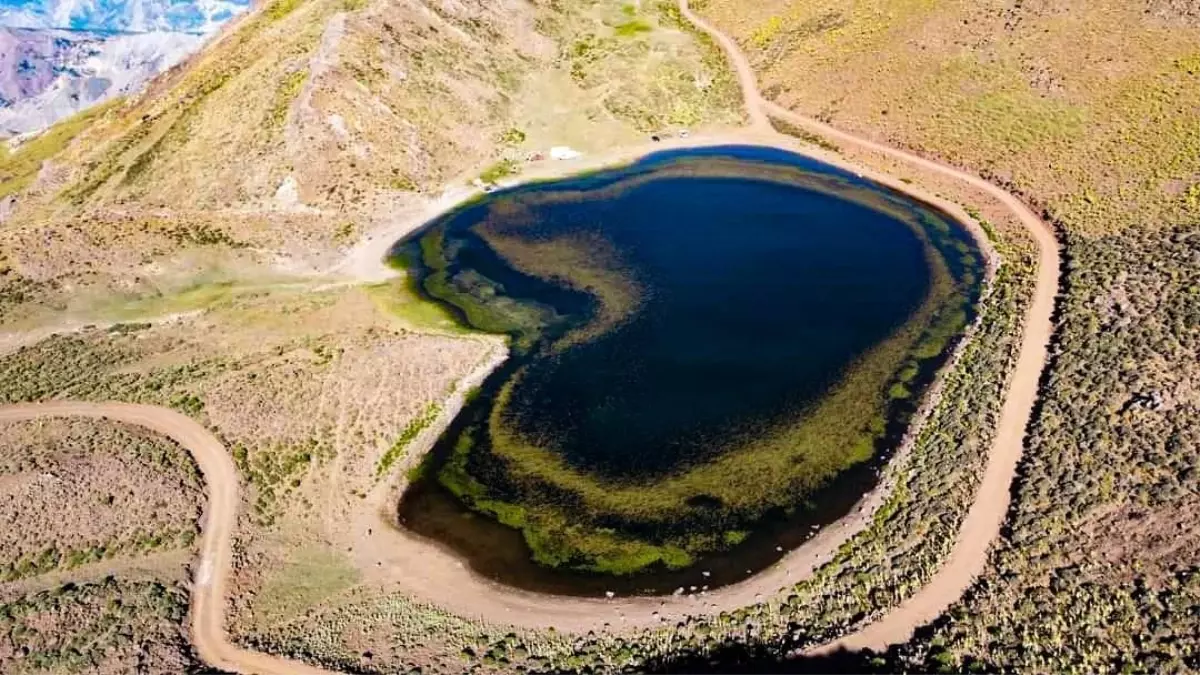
75 491
1087 106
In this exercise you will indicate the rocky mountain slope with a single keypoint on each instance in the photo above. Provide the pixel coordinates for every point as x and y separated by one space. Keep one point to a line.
49 74
57 58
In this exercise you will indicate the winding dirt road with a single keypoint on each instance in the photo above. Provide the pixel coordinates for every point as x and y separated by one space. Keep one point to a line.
986 515
435 575
217 525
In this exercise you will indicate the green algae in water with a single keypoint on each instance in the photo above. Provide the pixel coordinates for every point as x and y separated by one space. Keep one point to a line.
704 341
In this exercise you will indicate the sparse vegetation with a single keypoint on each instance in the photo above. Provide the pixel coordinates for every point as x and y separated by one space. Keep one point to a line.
87 490
414 428
794 131
112 626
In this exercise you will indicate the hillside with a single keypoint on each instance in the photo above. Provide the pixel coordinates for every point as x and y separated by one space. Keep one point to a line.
315 123
1091 111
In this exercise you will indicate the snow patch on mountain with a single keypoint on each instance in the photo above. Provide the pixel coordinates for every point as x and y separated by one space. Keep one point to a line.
46 75
58 57
188 16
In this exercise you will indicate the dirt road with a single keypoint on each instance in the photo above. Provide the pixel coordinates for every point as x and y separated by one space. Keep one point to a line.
986 515
217 525
432 574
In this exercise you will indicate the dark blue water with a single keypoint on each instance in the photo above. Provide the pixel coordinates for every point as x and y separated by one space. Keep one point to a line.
756 301
743 298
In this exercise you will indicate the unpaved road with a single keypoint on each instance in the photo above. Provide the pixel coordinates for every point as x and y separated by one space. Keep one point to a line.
986 515
217 525
433 574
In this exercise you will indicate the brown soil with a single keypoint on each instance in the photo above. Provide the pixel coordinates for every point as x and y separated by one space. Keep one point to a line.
80 488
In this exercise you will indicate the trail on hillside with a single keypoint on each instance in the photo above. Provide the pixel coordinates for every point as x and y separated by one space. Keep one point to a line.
985 518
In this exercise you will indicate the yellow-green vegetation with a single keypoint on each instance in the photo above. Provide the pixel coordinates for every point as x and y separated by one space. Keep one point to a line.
280 8
512 136
400 298
794 131
502 169
475 296
288 89
275 471
309 576
52 559
586 263
414 428
19 168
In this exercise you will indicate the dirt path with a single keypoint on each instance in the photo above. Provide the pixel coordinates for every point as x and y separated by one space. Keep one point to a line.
986 515
217 525
430 573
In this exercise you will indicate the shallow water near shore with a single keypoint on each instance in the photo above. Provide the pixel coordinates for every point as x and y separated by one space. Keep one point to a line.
714 351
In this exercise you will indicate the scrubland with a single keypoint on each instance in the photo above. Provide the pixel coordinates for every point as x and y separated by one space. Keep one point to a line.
1091 111
73 493
104 627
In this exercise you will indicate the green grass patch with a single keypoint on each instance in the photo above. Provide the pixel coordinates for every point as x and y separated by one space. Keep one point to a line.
281 8
310 576
632 28
287 91
512 136
410 433
20 167
400 298
501 169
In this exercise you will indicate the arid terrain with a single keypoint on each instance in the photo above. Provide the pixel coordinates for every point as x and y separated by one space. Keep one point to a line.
212 388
